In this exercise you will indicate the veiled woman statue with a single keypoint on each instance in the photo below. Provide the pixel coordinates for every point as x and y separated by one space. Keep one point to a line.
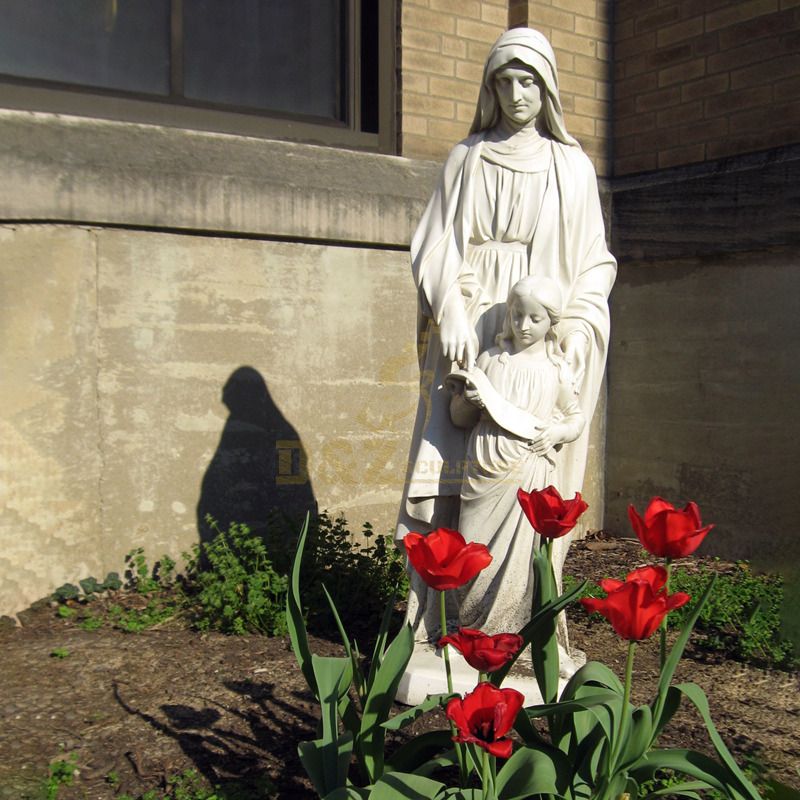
517 197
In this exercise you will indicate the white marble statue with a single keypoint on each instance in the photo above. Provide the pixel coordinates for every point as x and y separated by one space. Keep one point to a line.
517 197
524 393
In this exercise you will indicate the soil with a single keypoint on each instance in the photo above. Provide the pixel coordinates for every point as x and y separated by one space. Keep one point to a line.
135 709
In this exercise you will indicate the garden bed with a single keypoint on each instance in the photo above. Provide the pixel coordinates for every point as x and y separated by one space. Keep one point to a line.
136 710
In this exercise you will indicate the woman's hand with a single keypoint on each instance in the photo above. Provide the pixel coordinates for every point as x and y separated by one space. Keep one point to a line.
576 347
459 341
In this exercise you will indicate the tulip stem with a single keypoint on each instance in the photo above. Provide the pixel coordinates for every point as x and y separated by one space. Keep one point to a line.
626 697
461 755
487 776
663 628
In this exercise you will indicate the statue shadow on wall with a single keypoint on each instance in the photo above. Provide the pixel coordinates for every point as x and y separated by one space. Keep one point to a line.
259 469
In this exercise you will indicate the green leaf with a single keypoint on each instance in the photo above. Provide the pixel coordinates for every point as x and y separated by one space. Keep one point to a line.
410 714
530 772
418 753
548 611
379 701
405 786
683 789
639 736
333 676
379 650
347 793
687 762
294 615
327 762
671 664
545 655
697 696
345 640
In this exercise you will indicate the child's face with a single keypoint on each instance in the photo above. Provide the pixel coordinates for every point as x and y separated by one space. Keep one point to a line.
529 321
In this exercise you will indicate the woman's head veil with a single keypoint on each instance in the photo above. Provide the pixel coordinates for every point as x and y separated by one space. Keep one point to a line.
532 49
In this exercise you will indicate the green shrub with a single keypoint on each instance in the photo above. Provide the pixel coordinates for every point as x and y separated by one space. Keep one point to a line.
235 588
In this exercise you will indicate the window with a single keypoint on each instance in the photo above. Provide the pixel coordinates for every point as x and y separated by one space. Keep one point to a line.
310 70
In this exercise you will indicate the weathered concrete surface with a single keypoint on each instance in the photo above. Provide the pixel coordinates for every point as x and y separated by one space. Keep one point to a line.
703 386
49 461
120 347
62 168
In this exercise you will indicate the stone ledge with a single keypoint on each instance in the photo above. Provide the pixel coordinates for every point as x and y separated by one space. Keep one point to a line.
80 170
736 204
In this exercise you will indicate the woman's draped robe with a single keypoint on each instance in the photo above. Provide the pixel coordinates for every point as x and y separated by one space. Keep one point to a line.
499 213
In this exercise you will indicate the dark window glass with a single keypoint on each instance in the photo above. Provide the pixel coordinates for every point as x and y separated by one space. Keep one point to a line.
111 44
275 55
369 66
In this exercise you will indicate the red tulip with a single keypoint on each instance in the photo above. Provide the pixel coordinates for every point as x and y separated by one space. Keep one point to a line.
443 558
482 652
667 531
636 606
485 716
549 514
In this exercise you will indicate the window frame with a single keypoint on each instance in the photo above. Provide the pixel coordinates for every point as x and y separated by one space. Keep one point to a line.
30 94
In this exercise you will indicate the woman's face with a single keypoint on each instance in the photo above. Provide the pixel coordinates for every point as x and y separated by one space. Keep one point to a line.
519 94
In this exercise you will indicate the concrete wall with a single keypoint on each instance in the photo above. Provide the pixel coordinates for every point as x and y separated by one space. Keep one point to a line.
194 323
703 376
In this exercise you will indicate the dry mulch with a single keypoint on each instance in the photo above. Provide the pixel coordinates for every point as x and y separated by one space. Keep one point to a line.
138 708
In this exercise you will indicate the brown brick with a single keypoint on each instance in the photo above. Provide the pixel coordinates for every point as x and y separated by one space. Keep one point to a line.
495 15
678 156
618 70
470 71
453 46
663 98
586 7
767 72
415 39
758 28
590 68
577 124
627 9
623 29
574 83
787 89
477 51
681 73
642 162
625 146
603 50
706 44
763 118
414 82
624 106
413 146
738 12
580 45
411 123
735 101
554 17
568 102
591 107
478 31
565 61
680 32
426 104
743 55
642 43
705 87
636 85
704 131
422 61
450 131
636 65
467 8
465 112
454 89
426 20
666 57
751 143
680 115
656 19
636 124
602 90
596 28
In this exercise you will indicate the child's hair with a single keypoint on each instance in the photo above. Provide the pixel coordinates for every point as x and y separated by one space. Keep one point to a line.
547 293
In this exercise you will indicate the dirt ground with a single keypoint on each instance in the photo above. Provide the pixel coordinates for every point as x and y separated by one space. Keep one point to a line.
135 709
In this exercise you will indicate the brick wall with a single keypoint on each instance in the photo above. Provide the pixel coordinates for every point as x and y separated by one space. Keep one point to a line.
443 45
580 33
701 79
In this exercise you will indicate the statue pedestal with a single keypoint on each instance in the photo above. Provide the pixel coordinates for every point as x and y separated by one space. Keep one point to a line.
426 675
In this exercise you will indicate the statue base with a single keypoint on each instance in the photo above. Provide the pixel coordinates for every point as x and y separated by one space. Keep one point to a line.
426 675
